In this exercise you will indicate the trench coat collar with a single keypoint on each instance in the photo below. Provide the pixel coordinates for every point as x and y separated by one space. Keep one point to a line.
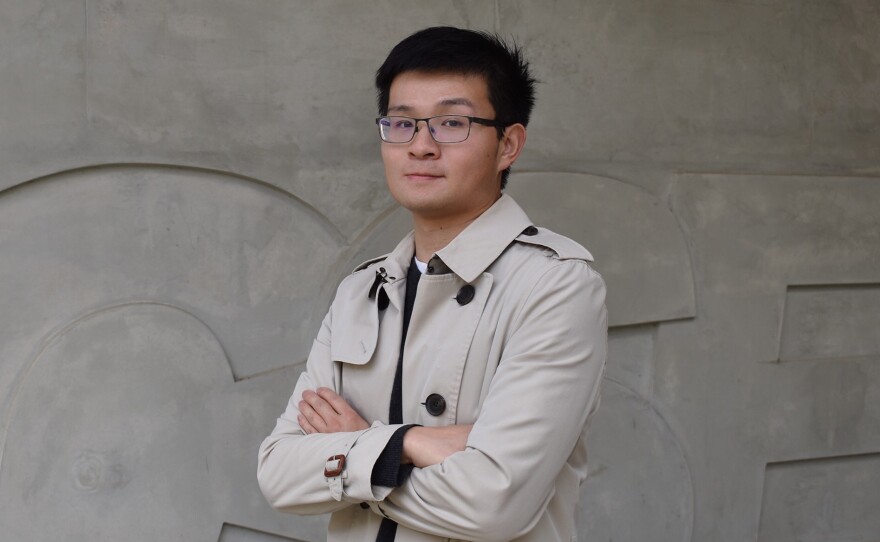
474 249
396 263
483 241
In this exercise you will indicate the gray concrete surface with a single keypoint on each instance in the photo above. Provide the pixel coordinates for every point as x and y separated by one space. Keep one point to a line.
184 184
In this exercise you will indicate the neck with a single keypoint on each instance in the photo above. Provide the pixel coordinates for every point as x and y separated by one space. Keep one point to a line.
431 235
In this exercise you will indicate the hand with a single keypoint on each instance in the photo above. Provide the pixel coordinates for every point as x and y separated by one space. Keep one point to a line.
426 446
325 411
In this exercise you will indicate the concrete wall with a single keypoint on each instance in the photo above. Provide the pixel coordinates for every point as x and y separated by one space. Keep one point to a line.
184 183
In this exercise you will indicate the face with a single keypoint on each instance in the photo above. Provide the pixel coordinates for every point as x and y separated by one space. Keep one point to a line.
445 181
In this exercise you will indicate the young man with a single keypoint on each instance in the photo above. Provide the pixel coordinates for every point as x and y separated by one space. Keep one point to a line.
448 392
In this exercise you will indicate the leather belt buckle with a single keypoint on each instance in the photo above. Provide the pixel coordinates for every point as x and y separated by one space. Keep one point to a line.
334 466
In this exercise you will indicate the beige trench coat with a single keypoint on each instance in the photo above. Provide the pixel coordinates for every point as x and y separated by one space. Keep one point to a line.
522 361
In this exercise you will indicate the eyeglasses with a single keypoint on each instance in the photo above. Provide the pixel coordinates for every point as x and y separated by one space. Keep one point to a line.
443 128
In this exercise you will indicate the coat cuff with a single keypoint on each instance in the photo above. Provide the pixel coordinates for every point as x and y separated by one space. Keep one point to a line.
388 471
361 460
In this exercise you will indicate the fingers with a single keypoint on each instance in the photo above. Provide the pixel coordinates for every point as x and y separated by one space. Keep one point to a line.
320 405
316 412
325 411
309 418
346 418
305 425
334 400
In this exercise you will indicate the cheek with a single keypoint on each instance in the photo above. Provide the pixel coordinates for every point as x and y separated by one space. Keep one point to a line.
391 162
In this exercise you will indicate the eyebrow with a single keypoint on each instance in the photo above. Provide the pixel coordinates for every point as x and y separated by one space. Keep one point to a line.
457 101
447 101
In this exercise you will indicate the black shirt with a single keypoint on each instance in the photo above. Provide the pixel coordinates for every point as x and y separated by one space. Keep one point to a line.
388 471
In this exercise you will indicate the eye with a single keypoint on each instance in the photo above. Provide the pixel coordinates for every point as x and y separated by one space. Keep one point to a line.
403 123
454 122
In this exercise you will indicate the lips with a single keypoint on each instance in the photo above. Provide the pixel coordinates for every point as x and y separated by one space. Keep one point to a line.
420 175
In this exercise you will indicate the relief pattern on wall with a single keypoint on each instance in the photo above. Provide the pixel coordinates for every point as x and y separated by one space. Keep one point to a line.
783 352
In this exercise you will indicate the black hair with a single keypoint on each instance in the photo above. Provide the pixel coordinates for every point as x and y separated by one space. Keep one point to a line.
467 52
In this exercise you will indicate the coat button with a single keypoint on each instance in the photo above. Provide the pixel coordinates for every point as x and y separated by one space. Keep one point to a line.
465 295
435 404
531 230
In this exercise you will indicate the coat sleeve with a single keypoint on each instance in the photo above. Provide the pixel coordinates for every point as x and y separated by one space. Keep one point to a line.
290 467
540 399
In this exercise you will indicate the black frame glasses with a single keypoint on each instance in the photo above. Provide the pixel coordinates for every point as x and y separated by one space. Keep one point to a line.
443 128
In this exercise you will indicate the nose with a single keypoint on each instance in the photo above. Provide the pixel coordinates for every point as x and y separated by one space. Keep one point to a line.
423 144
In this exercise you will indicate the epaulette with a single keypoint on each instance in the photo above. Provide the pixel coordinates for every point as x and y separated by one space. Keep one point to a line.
369 262
565 248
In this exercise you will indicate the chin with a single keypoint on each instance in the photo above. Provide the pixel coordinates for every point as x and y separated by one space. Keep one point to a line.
422 197
425 207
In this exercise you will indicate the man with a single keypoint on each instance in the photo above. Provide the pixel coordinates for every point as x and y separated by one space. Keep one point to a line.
449 389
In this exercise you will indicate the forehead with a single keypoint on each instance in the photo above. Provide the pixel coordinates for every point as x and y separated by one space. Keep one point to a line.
415 90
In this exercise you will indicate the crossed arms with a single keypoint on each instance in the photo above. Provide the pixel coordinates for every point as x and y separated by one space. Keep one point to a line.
490 481
325 411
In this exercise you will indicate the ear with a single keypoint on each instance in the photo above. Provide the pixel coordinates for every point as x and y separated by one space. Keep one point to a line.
512 144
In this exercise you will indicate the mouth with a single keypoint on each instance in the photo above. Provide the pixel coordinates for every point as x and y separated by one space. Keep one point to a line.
421 176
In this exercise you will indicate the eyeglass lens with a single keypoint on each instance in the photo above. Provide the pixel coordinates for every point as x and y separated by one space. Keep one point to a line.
444 129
